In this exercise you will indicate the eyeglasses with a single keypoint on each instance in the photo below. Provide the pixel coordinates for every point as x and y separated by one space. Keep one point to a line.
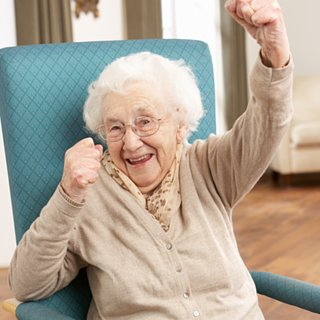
141 126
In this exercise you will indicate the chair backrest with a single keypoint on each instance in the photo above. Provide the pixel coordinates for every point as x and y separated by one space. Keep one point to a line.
42 92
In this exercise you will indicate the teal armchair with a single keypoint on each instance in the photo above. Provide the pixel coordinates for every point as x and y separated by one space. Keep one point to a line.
42 92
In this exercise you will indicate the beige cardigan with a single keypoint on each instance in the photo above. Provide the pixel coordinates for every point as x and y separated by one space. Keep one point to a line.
135 269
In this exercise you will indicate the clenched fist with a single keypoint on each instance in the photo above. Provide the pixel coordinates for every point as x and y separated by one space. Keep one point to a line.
81 165
263 19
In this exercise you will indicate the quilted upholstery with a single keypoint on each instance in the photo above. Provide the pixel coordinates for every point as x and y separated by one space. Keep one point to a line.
42 91
298 293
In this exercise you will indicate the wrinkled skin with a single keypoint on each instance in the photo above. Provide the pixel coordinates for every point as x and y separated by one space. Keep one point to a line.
264 21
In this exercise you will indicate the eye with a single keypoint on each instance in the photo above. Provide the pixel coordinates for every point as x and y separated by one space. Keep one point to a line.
114 129
144 123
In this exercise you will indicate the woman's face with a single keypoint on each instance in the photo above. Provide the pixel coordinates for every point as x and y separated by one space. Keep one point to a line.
145 160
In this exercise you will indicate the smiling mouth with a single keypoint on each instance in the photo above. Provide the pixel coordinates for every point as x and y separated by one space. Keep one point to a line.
140 160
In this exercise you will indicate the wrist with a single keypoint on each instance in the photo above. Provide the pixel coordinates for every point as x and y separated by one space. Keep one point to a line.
77 199
277 62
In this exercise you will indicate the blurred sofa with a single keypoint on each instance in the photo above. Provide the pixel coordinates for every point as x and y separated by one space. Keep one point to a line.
299 151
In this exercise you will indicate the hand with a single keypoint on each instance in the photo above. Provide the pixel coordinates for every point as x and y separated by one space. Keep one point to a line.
81 165
263 19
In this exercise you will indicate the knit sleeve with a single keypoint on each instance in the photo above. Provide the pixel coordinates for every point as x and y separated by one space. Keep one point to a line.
44 260
236 160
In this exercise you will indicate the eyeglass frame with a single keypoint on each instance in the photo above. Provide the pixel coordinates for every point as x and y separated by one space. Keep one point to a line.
136 131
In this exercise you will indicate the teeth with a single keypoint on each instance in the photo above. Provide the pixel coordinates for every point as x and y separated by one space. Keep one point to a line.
138 159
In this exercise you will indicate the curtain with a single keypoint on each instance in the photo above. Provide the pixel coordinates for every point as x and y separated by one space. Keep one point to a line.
143 19
234 67
43 21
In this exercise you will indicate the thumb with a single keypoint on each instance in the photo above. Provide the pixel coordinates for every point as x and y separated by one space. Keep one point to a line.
99 147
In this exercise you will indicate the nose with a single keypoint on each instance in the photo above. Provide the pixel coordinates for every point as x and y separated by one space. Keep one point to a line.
131 141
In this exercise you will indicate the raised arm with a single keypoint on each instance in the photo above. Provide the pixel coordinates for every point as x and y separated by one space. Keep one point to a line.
238 158
46 258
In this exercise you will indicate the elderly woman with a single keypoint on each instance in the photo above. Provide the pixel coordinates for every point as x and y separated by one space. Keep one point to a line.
150 218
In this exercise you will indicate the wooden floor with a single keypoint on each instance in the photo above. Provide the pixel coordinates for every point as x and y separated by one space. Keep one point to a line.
278 230
4 293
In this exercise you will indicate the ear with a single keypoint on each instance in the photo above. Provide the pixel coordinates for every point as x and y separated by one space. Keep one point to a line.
181 133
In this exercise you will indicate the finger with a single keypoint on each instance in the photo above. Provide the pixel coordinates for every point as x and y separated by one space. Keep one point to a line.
240 11
79 157
230 5
85 178
246 10
266 14
90 177
79 146
243 10
260 4
99 148
93 179
81 167
83 182
86 149
87 142
92 153
247 25
89 163
96 153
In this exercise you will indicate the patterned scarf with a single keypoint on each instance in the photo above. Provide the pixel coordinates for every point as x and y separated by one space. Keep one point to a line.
164 201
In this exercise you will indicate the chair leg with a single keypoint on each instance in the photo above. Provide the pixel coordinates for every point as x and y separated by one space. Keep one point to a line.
275 177
282 179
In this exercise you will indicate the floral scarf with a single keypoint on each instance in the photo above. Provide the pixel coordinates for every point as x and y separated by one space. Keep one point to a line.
164 201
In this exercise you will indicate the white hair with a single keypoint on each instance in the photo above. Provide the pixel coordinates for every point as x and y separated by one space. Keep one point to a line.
174 79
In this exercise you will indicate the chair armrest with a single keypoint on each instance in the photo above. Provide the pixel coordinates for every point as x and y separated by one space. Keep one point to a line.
294 292
10 305
38 311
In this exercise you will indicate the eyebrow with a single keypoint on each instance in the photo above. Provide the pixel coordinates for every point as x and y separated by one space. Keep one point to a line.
139 110
111 120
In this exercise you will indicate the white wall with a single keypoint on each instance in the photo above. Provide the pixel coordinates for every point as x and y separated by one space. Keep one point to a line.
109 26
7 237
303 24
198 20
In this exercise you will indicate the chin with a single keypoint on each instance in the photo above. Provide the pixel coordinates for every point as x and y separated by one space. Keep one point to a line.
146 186
146 183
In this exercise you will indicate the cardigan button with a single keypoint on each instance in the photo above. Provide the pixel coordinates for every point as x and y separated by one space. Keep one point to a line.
186 295
169 246
196 313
